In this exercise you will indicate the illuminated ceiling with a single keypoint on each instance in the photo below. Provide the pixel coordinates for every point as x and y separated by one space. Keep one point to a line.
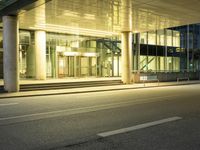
105 17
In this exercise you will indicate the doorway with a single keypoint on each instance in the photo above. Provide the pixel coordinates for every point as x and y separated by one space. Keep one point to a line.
66 65
88 66
76 66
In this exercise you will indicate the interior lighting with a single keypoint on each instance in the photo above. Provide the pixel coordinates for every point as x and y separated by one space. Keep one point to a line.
60 48
70 13
73 30
89 16
61 63
71 54
89 54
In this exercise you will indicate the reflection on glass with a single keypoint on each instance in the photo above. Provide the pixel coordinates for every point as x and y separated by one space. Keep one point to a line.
160 38
143 38
152 38
169 37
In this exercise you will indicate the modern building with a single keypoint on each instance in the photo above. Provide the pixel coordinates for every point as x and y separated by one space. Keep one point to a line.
43 39
169 53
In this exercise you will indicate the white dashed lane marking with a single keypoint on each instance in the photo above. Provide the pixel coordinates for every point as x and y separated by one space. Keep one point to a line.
8 104
137 127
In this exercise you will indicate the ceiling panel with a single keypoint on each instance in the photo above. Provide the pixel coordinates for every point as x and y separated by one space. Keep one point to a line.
107 16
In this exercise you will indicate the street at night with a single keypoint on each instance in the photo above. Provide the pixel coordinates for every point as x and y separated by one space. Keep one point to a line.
162 118
99 75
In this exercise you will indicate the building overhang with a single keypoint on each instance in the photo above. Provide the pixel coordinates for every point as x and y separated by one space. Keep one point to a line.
15 7
102 16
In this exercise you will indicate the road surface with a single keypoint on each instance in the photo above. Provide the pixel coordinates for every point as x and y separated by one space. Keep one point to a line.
163 118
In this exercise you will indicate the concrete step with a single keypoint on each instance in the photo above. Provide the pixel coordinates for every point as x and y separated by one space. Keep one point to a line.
68 85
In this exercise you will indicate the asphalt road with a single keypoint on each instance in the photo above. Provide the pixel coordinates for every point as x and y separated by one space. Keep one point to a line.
76 121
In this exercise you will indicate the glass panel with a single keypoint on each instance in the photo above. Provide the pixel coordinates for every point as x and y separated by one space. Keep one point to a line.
24 53
169 64
162 64
151 63
169 37
176 64
143 38
84 66
143 63
66 66
160 38
92 66
152 38
120 68
176 38
107 67
61 67
116 65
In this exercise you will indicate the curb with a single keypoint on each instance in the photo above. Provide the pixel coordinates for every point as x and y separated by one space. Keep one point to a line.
92 91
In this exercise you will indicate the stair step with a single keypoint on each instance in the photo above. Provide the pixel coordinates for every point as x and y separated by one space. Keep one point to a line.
65 85
62 87
68 85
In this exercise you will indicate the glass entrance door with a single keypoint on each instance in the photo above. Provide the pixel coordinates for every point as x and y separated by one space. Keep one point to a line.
84 66
66 66
92 66
76 66
88 66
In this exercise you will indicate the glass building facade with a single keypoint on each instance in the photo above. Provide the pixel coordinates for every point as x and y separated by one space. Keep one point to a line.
168 50
172 50
70 55
76 39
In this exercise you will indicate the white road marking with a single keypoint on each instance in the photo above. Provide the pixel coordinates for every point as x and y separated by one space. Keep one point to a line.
137 127
8 104
73 111
85 109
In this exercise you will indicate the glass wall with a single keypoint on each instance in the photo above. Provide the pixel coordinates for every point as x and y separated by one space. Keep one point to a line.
169 50
160 38
71 56
24 52
1 53
81 56
152 38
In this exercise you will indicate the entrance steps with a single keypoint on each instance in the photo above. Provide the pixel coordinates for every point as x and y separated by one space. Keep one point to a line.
67 85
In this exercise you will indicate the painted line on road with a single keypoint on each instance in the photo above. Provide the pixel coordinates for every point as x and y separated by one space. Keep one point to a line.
73 111
137 127
8 104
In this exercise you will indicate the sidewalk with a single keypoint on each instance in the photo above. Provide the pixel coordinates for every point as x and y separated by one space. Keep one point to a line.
94 89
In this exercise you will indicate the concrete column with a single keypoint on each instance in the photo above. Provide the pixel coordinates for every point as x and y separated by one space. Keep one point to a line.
11 53
126 29
126 57
126 15
40 55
